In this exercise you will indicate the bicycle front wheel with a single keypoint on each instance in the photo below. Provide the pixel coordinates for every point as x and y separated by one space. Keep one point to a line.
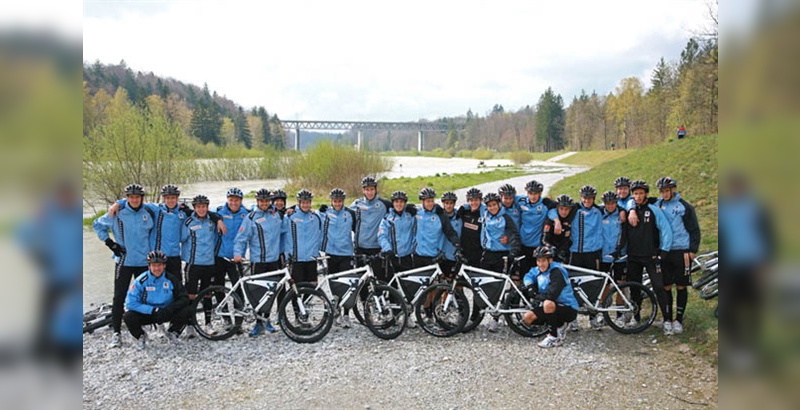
475 316
705 278
96 318
385 312
710 290
447 312
637 314
305 316
216 310
514 319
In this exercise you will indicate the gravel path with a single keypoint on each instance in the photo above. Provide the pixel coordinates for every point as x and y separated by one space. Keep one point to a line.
350 368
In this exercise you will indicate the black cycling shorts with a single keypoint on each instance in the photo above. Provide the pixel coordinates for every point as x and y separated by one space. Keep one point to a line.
677 268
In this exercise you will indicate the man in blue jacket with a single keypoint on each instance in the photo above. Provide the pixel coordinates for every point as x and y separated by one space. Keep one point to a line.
448 265
157 296
554 299
508 197
261 232
397 236
433 226
685 241
304 239
370 211
232 214
533 213
499 238
199 240
648 242
337 239
131 228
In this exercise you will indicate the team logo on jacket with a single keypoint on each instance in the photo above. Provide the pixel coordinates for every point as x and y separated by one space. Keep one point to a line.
150 288
166 285
144 217
433 218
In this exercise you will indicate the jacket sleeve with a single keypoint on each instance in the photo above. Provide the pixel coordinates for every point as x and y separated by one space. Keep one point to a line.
180 298
547 233
664 229
513 234
690 222
102 225
552 214
557 284
448 230
549 203
353 217
134 299
622 241
530 277
384 235
240 242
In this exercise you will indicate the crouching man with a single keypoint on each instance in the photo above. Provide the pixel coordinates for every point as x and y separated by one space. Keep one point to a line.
157 297
549 284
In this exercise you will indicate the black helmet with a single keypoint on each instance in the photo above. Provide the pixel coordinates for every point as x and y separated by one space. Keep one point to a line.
622 181
279 194
427 193
200 199
491 196
507 190
399 195
474 193
544 252
610 196
449 196
588 191
368 181
666 182
156 257
263 194
534 186
337 193
134 189
235 192
170 189
639 184
304 195
564 200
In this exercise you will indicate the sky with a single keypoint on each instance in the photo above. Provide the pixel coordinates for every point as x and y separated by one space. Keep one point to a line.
398 61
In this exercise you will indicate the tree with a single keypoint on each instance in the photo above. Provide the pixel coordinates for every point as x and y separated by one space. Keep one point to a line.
206 119
243 129
550 121
625 110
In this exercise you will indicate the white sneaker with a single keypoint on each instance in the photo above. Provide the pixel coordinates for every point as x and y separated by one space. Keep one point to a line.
596 322
210 329
620 321
549 341
190 333
573 326
412 321
172 337
345 322
562 332
493 326
141 342
677 328
116 340
667 328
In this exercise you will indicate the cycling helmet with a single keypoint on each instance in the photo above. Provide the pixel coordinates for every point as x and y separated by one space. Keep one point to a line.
235 192
474 193
279 194
544 252
534 186
449 196
304 195
337 193
156 257
399 195
134 189
200 199
491 196
622 181
368 181
666 182
507 190
610 196
427 193
588 191
564 200
639 184
170 189
263 194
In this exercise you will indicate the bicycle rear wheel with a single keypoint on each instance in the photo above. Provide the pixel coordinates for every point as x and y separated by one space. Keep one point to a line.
447 315
636 315
710 290
514 319
385 312
305 316
216 310
96 318
707 276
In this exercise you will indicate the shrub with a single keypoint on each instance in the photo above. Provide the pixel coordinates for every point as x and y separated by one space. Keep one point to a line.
520 157
482 153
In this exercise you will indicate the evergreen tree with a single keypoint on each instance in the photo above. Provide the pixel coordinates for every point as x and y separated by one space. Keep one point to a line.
550 119
243 129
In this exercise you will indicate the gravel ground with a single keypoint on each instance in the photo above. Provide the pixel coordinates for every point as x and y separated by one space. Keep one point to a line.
351 368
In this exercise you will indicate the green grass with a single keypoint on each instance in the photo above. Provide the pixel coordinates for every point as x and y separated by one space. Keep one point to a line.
444 182
693 164
594 158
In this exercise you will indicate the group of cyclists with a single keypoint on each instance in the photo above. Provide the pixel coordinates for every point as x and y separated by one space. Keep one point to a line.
151 241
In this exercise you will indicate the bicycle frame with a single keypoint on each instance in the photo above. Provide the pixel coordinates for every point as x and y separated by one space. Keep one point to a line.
339 277
493 277
591 276
272 287
413 276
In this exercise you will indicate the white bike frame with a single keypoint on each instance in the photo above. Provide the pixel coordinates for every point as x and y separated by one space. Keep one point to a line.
411 275
591 276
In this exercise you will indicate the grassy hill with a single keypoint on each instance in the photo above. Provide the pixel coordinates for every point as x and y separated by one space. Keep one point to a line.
693 164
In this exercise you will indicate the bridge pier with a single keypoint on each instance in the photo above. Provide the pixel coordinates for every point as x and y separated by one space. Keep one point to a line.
420 141
359 140
297 139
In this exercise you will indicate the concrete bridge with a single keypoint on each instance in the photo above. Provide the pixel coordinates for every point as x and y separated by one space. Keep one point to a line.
359 126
